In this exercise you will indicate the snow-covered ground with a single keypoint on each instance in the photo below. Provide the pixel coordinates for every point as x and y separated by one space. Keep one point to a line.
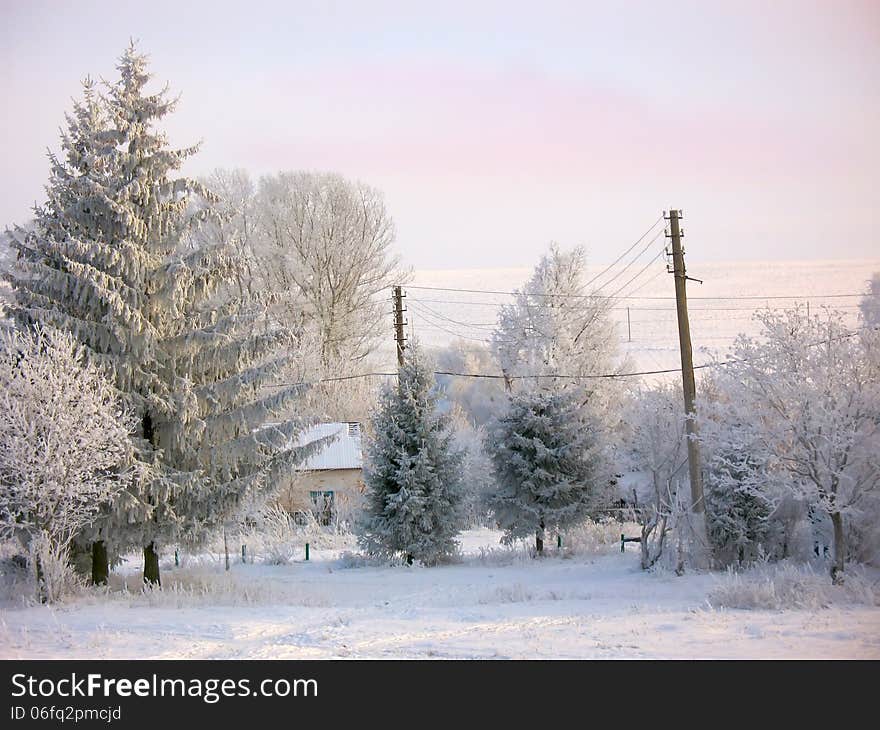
495 603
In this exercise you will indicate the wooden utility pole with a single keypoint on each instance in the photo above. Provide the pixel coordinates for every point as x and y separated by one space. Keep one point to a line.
399 337
698 504
629 330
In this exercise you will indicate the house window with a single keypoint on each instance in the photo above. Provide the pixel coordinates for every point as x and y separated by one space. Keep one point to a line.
354 430
322 506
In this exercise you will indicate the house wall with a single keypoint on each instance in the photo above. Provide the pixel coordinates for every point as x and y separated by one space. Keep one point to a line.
346 484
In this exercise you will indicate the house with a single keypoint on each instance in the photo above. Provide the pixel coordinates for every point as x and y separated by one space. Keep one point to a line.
329 484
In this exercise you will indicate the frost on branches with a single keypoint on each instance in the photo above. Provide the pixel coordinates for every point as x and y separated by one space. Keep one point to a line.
653 446
555 327
547 462
413 472
328 240
113 260
812 390
65 450
318 245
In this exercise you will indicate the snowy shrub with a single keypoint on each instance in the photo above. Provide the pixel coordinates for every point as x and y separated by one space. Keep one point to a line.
275 537
784 585
518 553
65 452
863 531
15 575
597 537
515 593
350 559
653 446
54 575
206 587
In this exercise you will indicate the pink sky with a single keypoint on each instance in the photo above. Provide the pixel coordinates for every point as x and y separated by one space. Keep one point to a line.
494 128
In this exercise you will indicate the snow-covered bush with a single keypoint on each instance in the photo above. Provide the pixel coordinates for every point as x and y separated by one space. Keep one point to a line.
273 536
412 471
65 451
211 586
653 447
784 585
597 537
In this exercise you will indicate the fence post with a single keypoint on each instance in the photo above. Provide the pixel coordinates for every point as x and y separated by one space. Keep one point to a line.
621 542
307 551
176 559
244 553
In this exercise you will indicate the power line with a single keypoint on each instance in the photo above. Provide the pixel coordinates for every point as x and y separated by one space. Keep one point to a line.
491 376
636 258
618 259
424 307
642 286
641 271
467 303
599 296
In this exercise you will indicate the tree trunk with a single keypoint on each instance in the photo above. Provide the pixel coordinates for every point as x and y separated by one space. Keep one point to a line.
151 566
226 549
839 549
539 539
100 564
42 588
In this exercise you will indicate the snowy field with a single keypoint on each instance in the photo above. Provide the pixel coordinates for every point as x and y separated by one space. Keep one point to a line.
495 603
651 339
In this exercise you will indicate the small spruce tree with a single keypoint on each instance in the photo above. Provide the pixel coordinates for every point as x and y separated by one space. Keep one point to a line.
547 464
413 472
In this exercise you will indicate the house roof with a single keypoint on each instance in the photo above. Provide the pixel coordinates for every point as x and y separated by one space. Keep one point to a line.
343 452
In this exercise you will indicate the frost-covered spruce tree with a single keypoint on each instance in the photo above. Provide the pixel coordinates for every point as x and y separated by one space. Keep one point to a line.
547 463
742 483
413 472
111 259
738 507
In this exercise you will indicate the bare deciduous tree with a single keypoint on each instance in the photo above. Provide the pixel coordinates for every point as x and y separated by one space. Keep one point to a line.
328 240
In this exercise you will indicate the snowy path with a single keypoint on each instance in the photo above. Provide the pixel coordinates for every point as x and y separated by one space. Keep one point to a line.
601 607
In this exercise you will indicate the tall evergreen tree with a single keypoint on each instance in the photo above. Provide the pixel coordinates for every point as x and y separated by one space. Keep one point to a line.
111 260
413 472
547 463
